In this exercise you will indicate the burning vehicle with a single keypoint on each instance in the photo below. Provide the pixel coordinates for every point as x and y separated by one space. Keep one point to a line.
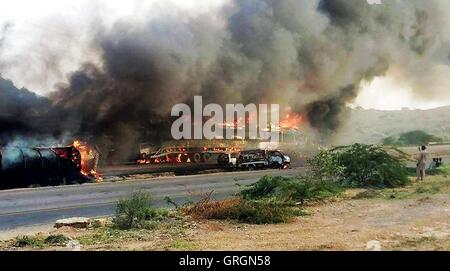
263 159
223 151
189 151
24 167
184 155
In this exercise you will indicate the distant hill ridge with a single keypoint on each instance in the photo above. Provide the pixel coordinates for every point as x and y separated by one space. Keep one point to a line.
372 126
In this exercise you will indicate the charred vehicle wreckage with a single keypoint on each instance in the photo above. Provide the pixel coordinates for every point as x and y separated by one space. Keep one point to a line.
231 158
79 162
262 159
240 153
24 167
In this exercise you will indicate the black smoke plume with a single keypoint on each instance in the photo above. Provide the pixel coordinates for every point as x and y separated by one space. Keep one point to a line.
308 56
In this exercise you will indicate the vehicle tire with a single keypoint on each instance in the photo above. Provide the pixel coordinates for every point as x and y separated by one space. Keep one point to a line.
251 168
197 158
207 156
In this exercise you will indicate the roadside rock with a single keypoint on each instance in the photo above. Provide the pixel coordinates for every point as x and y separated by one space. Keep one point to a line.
100 222
74 245
373 245
74 222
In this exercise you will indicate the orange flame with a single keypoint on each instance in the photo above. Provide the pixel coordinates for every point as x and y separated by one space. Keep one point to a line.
88 160
292 120
179 155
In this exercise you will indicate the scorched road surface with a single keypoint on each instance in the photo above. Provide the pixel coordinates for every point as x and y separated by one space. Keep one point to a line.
42 206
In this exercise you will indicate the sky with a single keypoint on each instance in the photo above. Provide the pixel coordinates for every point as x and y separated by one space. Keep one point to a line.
387 93
33 22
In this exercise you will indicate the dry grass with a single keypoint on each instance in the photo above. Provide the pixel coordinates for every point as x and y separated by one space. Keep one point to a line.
247 211
208 209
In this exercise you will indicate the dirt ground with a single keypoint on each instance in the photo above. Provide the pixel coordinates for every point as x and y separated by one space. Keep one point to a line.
422 223
413 218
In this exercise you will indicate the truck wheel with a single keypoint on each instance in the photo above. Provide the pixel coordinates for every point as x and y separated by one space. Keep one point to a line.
207 156
251 168
197 158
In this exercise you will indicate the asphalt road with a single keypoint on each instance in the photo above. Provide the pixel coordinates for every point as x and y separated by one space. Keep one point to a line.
43 206
124 170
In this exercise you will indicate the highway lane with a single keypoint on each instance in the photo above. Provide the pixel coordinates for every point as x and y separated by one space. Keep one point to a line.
42 206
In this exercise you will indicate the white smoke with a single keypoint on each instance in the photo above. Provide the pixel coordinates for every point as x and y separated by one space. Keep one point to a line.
48 39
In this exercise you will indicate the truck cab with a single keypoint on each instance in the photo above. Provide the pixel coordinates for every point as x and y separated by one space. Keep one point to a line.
263 159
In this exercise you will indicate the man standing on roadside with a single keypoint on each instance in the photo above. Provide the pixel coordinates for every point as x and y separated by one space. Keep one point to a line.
421 163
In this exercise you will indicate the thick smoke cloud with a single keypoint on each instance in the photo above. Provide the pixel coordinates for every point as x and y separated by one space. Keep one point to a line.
308 56
18 109
3 30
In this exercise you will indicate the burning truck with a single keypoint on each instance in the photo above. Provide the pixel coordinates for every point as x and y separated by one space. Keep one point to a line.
25 167
186 154
218 149
223 153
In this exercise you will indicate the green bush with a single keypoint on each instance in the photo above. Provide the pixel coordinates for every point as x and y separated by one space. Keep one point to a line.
58 239
413 138
360 166
136 212
443 170
289 189
271 200
29 241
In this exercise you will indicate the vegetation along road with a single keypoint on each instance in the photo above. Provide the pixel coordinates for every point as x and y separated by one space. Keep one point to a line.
29 207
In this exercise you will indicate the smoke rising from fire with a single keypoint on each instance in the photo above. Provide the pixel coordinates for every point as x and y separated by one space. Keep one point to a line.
308 56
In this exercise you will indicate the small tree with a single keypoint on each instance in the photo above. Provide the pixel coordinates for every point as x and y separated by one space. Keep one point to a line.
418 138
411 138
133 211
360 165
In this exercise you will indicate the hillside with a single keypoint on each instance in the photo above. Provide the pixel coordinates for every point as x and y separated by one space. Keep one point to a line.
372 126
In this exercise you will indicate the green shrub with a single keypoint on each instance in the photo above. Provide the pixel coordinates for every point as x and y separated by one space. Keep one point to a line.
289 189
413 138
443 170
270 200
136 211
58 239
29 241
417 137
360 166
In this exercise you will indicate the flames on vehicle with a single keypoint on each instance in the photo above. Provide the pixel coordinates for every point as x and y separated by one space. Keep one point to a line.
205 149
293 121
88 161
27 166
184 154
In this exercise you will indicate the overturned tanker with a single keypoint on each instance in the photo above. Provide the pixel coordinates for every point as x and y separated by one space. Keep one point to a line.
24 167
